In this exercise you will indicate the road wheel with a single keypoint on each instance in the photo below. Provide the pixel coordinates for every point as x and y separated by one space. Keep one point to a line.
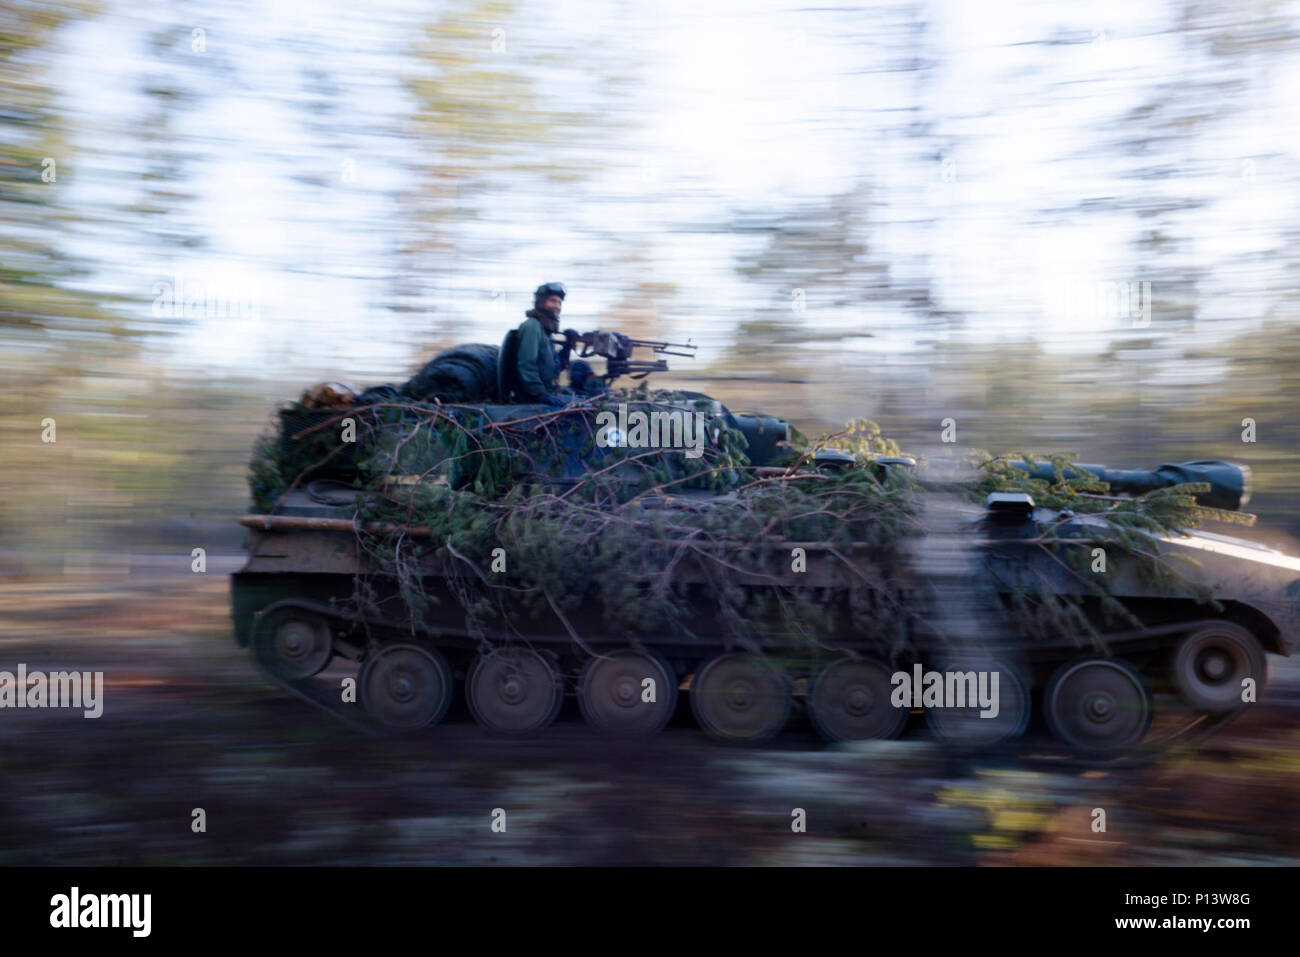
1211 663
740 697
405 687
515 691
1100 706
612 693
293 644
850 701
968 727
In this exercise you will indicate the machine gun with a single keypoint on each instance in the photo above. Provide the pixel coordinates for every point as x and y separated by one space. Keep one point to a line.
617 348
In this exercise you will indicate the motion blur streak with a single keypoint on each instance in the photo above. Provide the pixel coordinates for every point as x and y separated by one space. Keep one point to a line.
1067 225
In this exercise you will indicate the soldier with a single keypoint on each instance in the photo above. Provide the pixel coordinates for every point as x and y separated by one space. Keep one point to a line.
527 366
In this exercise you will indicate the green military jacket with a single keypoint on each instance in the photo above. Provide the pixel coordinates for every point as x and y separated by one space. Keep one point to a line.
530 358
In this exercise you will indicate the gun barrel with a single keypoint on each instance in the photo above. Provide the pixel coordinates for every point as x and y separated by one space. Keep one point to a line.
1229 482
636 368
665 348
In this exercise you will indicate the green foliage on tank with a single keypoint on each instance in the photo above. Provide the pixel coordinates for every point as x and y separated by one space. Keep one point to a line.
584 522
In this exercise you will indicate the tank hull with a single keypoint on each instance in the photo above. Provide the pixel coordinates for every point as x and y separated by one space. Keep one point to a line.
1106 633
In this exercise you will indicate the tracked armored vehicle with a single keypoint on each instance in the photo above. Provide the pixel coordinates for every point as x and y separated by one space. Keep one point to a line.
517 555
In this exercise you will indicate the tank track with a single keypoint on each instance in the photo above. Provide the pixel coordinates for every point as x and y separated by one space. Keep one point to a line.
355 638
311 690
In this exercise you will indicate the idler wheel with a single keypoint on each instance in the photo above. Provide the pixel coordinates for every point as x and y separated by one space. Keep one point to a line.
612 693
740 697
1100 706
405 687
967 727
515 691
294 645
1211 663
850 701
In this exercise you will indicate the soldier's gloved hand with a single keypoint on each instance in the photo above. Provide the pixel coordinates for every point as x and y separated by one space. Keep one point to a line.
571 335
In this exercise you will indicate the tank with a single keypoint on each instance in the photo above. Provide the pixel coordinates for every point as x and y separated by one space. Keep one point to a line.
636 547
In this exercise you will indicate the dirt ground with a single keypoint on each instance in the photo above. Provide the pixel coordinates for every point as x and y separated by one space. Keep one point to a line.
188 723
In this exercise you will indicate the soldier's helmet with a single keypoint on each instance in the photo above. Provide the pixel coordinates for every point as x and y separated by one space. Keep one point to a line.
548 289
